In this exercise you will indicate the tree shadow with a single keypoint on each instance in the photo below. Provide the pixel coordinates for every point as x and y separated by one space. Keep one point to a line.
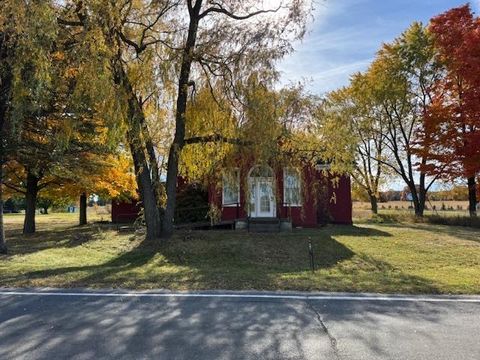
99 274
353 230
46 239
168 328
62 237
235 260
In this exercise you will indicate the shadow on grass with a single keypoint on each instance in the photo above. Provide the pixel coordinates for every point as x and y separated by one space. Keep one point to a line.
353 230
69 237
235 260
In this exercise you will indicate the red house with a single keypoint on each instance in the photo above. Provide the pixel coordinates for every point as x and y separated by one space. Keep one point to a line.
306 197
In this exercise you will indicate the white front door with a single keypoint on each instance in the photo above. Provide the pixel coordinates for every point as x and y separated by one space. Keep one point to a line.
262 198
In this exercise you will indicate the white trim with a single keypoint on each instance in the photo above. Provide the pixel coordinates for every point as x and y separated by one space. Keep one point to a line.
223 188
260 166
226 295
300 204
271 180
323 167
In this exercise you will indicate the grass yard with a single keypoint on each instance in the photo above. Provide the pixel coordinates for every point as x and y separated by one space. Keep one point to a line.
386 258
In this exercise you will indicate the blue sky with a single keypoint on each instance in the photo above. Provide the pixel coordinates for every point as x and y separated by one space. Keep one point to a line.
346 34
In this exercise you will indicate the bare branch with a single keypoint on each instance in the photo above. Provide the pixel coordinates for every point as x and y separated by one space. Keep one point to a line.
222 10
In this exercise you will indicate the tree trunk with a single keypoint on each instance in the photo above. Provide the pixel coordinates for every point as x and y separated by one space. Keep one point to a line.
154 169
137 148
418 200
30 200
472 196
5 93
147 193
83 209
373 203
172 174
45 210
3 244
179 139
419 208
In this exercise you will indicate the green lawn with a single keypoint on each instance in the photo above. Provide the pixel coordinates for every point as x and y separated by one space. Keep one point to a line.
387 258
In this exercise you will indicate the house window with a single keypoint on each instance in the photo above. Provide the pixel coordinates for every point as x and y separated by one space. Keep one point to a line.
291 187
231 188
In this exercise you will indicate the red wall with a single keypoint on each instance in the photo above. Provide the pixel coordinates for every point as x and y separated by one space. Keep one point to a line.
338 201
336 205
123 211
332 205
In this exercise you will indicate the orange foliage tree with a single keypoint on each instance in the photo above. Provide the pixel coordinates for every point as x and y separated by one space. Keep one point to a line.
112 177
453 118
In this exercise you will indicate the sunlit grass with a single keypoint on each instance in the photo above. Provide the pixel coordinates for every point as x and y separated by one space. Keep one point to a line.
388 258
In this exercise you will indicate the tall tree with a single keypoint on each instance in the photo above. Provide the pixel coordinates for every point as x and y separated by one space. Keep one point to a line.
195 42
131 33
106 175
225 40
6 77
402 78
27 34
454 116
353 122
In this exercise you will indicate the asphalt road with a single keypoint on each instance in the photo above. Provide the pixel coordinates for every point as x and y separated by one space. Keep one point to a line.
158 327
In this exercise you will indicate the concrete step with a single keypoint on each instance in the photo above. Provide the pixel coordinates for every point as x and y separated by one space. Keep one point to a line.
268 225
255 227
264 221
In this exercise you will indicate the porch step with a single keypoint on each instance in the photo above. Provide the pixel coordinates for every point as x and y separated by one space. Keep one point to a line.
268 224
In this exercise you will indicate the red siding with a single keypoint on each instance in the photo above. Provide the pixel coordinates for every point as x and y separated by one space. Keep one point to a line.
123 211
305 215
332 202
340 200
337 199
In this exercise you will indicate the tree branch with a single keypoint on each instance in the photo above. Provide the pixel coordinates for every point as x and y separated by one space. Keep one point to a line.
217 138
222 10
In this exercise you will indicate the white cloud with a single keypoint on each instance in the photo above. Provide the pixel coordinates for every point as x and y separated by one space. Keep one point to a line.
330 54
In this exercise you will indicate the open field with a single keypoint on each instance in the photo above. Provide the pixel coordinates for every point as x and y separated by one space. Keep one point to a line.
361 209
388 258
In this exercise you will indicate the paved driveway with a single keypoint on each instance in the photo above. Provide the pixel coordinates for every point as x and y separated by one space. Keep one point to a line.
257 326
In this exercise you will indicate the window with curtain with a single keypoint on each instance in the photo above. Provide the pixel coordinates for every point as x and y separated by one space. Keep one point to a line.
291 187
231 188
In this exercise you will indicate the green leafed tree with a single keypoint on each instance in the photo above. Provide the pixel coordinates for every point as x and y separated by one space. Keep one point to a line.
352 124
402 78
27 32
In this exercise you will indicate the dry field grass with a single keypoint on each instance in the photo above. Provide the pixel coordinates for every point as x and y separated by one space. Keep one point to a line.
361 210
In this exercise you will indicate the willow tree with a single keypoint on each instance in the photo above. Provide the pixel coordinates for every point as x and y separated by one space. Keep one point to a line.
225 41
127 39
191 43
271 127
